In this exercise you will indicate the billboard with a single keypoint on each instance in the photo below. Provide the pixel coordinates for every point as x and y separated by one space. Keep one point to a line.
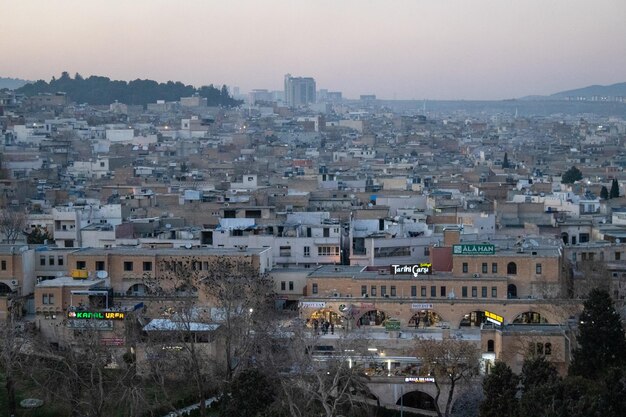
474 249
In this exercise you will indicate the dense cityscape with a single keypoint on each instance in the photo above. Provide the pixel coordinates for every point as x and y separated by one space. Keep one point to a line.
313 209
347 255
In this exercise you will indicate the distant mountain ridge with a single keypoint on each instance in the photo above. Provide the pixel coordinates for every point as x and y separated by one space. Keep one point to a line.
12 83
613 90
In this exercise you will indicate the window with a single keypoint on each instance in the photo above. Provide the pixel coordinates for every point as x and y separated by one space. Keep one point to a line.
393 290
618 256
539 348
414 290
42 261
464 292
538 269
326 232
307 251
423 291
128 266
427 251
511 268
283 285
81 265
433 291
314 288
547 349
147 266
474 292
373 291
383 290
285 251
50 298
99 265
363 290
490 345
51 260
44 298
442 291
60 260
290 285
485 268
483 292
494 292
328 251
494 268
465 268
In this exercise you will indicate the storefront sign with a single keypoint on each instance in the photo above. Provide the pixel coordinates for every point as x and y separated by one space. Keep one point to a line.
415 270
421 306
419 379
474 249
96 315
312 304
494 318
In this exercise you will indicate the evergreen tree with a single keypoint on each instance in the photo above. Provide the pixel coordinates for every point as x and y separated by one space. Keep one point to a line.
604 193
571 176
601 341
614 189
505 163
540 383
500 389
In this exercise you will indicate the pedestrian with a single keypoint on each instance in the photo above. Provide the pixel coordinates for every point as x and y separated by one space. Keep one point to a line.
332 328
315 326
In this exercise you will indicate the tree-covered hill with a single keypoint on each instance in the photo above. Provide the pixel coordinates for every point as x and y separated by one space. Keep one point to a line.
99 90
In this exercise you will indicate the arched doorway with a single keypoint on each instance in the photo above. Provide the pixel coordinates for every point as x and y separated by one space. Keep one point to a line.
565 238
325 315
425 319
473 319
372 318
511 290
4 288
417 399
137 289
530 317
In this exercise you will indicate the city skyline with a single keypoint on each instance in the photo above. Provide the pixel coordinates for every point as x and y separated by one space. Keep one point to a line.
405 50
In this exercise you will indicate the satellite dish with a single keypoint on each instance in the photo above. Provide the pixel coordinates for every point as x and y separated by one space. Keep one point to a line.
618 240
102 274
188 245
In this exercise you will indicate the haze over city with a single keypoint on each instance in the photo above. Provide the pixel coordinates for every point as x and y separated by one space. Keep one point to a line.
401 49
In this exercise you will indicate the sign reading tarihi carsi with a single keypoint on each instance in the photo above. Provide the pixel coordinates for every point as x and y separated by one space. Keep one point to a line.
474 249
417 269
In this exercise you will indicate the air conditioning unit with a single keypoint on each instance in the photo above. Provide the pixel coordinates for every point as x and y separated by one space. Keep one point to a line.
365 295
476 275
14 282
336 294
348 295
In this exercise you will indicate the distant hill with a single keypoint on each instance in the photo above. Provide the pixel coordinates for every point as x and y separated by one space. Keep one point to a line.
97 90
12 83
594 90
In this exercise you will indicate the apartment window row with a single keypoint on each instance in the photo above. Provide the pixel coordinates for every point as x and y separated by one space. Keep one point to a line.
511 268
393 292
328 251
51 260
540 348
283 286
47 299
483 292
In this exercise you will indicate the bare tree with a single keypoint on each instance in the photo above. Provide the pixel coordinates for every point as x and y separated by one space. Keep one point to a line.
451 362
12 224
314 383
218 311
11 341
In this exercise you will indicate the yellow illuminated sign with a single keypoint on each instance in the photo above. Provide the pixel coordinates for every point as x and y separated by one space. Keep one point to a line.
493 317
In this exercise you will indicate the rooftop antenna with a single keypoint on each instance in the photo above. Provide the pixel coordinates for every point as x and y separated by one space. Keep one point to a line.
424 107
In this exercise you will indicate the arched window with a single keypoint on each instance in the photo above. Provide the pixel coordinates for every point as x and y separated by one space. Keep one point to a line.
511 290
511 268
490 345
547 349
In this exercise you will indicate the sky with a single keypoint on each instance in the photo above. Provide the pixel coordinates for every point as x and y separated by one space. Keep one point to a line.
396 49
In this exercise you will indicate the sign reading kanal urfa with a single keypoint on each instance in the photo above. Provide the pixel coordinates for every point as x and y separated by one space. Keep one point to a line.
474 249
415 270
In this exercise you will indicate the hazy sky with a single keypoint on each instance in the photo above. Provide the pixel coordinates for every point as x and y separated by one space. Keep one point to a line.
436 49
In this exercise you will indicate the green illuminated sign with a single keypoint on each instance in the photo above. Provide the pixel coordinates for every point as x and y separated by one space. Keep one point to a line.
392 324
474 249
96 315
